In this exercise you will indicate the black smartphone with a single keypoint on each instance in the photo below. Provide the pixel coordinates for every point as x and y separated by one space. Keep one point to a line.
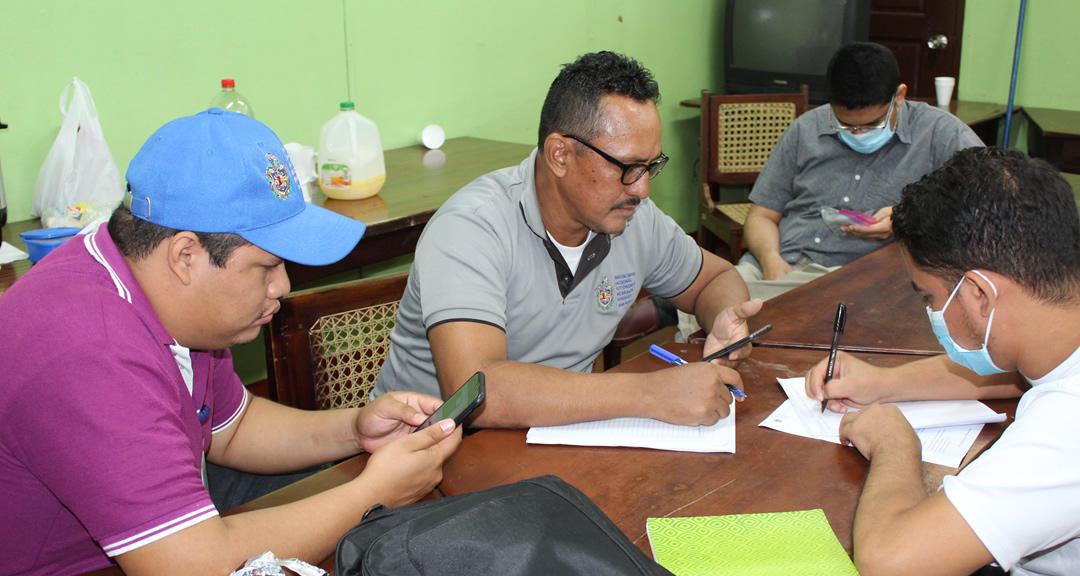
460 404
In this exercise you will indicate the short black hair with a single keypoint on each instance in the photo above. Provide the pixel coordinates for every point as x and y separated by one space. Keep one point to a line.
572 105
136 238
862 74
999 210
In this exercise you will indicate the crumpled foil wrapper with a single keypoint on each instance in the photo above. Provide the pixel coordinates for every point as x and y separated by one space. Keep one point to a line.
266 564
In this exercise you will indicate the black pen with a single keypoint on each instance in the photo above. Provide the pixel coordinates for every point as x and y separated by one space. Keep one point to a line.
838 329
733 347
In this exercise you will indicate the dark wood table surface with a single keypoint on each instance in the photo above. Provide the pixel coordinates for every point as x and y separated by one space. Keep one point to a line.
11 272
769 472
1056 137
418 182
885 315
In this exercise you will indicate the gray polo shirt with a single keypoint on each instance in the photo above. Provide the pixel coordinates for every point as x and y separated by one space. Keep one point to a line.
485 256
811 167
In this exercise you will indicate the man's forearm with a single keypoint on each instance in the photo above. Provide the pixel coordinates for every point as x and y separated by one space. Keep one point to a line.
939 378
762 238
266 439
308 529
727 289
893 486
521 395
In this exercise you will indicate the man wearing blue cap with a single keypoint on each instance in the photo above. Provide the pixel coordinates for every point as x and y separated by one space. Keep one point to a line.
119 386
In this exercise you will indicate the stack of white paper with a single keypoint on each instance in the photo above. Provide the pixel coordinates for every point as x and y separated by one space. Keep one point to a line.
641 433
947 428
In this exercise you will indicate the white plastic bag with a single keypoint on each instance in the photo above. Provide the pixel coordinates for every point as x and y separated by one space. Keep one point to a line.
79 167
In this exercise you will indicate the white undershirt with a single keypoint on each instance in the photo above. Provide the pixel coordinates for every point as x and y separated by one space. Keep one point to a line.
572 254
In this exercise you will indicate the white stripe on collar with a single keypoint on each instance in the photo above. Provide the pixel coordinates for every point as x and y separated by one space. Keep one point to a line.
90 241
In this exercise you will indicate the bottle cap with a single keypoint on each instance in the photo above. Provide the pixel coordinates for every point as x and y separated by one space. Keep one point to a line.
228 83
346 106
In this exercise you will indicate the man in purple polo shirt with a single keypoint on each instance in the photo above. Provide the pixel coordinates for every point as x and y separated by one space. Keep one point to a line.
118 386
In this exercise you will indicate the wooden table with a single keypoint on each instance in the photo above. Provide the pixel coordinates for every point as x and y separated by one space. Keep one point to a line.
885 315
418 181
770 472
982 117
9 273
1056 137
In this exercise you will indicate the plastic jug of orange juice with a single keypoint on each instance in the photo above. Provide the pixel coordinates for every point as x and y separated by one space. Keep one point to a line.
351 162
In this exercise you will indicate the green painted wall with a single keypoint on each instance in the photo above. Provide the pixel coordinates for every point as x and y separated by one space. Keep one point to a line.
1049 54
476 67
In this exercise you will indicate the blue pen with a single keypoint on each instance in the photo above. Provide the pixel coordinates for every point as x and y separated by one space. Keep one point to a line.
673 359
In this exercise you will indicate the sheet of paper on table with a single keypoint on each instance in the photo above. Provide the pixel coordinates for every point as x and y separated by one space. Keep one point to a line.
641 433
9 253
946 446
947 428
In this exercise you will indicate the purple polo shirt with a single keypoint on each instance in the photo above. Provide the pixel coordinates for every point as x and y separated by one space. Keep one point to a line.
101 445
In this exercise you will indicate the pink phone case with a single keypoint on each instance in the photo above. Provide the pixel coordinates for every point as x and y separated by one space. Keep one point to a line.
858 217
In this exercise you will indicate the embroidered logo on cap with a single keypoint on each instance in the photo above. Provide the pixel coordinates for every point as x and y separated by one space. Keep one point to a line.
604 296
278 177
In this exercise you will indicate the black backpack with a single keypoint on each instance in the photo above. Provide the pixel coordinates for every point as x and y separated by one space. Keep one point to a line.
541 526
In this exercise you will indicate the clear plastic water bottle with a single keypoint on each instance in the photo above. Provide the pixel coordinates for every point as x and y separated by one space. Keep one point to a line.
231 100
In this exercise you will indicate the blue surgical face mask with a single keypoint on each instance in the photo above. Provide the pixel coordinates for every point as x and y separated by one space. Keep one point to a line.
869 142
978 361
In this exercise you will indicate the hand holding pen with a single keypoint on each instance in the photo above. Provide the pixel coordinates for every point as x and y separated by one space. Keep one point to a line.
674 359
838 329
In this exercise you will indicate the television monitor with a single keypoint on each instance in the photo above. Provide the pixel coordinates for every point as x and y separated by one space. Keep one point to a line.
778 45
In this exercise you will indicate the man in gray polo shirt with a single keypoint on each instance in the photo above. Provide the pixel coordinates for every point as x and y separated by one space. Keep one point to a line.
525 273
857 153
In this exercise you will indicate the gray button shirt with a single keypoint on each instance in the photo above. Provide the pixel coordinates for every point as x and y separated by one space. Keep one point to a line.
485 257
811 167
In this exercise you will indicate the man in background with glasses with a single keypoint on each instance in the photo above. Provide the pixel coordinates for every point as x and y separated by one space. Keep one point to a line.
525 273
854 154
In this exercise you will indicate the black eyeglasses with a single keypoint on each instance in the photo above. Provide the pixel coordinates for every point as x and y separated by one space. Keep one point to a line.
630 172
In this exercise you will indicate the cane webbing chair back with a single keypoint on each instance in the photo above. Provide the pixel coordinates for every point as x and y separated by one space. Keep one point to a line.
738 132
327 345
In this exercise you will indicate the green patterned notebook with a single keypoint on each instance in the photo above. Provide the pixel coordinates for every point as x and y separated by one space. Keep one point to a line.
780 544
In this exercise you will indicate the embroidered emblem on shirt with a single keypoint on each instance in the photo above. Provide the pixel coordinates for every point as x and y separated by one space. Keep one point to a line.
278 177
604 294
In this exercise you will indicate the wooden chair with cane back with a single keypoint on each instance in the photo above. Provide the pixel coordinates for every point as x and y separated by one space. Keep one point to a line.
737 134
326 345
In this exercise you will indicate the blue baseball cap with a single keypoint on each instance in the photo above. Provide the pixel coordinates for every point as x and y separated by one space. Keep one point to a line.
223 172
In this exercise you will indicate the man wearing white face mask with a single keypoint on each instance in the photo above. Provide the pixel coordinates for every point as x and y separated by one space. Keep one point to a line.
855 154
992 242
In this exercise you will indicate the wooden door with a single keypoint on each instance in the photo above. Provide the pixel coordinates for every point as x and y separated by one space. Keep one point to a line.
907 26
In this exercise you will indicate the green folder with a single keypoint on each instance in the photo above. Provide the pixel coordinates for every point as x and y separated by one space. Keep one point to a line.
781 544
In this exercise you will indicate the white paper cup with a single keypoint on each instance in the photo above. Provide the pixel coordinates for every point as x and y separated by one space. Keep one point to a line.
431 136
944 86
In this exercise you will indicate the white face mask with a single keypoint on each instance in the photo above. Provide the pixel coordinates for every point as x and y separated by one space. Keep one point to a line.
978 361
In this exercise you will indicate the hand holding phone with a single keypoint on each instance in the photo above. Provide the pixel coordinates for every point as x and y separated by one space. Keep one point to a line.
460 404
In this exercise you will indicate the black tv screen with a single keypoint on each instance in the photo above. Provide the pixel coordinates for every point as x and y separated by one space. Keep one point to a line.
778 45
